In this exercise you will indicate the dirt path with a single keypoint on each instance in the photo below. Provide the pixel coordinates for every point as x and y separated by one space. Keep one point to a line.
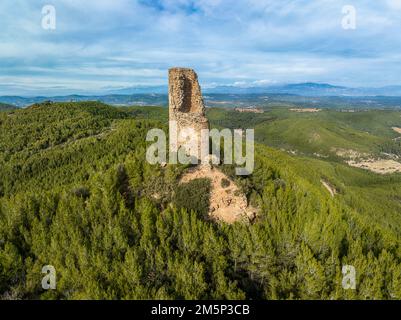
331 189
396 129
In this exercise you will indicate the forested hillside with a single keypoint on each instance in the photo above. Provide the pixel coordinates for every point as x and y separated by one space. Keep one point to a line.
6 107
77 193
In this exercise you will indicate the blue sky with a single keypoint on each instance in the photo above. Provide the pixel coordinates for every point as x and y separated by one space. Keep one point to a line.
99 45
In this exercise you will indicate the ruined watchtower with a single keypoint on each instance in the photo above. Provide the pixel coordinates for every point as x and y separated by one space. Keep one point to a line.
186 107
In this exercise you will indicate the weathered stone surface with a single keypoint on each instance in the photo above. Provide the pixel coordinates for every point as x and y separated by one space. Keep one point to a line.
186 106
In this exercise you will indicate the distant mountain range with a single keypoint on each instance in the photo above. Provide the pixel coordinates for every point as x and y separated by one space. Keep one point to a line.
112 99
156 95
309 89
140 90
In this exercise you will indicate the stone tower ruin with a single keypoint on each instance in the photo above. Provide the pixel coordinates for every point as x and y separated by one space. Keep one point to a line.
186 107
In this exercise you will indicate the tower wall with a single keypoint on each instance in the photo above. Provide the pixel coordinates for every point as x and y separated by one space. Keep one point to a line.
186 106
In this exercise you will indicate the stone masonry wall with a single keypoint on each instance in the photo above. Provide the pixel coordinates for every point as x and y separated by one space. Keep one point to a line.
186 106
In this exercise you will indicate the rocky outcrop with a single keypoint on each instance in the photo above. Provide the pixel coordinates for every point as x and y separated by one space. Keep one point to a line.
227 202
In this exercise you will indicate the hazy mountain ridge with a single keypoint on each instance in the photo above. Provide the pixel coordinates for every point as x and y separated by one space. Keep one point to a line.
227 100
310 89
113 99
302 89
308 92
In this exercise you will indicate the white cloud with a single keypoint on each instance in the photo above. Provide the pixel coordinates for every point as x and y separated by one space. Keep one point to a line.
394 4
244 41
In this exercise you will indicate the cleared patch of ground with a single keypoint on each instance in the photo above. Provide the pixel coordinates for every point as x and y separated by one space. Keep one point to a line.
305 109
365 161
380 166
349 153
227 202
250 109
396 129
320 155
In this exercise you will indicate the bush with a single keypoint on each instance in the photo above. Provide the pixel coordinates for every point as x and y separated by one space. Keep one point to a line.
225 183
194 195
81 192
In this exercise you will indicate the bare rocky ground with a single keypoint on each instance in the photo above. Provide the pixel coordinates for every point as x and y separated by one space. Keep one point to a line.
381 166
249 110
305 109
396 129
349 153
227 202
365 161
